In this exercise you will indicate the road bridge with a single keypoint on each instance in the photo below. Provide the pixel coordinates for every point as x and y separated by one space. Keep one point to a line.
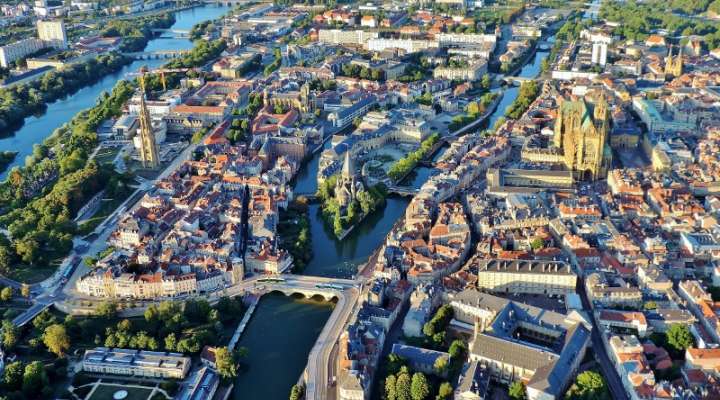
156 55
403 190
31 313
178 32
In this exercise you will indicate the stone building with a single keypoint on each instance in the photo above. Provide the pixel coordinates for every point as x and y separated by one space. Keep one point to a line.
348 185
581 131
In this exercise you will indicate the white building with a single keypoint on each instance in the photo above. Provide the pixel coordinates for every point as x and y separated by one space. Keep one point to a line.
52 33
15 51
138 363
599 53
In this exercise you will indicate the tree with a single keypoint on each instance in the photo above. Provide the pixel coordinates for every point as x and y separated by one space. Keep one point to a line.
441 365
485 83
402 386
13 375
517 391
10 335
226 365
6 293
25 290
390 383
457 349
56 339
679 337
419 388
394 363
170 342
445 391
107 310
588 385
297 392
34 378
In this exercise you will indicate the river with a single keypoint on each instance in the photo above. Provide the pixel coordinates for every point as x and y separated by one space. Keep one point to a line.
37 128
279 338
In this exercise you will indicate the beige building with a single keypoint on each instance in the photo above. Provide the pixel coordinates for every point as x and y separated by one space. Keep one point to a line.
472 72
498 178
340 36
523 276
150 286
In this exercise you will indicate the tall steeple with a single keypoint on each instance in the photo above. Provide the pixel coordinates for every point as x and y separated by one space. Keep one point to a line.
348 170
148 147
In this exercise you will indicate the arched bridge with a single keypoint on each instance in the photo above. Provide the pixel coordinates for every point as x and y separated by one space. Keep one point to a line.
156 55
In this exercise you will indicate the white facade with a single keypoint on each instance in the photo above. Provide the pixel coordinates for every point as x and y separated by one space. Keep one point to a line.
15 51
599 53
52 33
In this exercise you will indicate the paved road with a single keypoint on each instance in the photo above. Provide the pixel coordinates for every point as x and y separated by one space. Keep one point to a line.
320 362
606 365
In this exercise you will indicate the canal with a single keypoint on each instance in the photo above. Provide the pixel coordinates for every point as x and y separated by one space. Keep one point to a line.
37 128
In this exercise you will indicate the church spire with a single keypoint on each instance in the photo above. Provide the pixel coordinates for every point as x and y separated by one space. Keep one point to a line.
348 170
148 146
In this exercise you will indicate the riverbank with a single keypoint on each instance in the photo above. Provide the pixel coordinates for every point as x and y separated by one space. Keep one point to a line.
33 97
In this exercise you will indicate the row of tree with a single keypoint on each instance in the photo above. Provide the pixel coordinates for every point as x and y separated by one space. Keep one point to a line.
21 101
637 20
529 90
136 32
361 72
473 110
406 164
40 199
201 54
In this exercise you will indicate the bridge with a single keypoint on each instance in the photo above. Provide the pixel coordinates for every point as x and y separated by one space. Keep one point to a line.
403 190
516 80
29 314
227 2
178 33
156 55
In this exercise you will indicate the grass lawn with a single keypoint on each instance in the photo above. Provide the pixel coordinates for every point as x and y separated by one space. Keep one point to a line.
31 274
107 207
106 391
107 155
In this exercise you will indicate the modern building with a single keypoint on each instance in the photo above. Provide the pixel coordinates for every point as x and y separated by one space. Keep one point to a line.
137 363
53 33
599 53
17 50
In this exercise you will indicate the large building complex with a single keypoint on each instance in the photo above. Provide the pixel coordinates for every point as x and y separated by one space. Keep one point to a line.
516 341
520 276
136 363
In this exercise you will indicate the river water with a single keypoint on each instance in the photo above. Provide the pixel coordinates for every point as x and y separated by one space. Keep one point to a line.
37 128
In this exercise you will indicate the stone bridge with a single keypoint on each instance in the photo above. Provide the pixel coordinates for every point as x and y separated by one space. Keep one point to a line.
156 55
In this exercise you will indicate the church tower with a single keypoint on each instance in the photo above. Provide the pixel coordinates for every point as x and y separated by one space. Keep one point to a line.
148 149
347 186
674 65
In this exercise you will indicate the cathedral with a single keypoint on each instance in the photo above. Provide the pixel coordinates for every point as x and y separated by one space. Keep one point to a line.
674 65
348 185
581 132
